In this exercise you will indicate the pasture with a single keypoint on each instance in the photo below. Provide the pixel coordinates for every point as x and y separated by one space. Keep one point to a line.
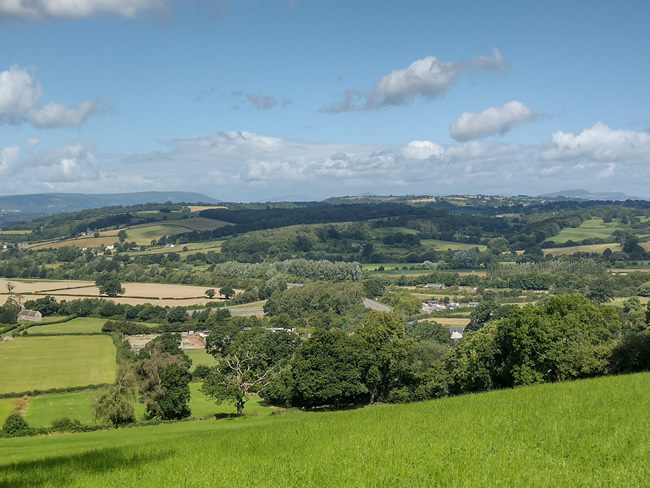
44 409
199 356
79 325
451 245
589 229
530 436
30 363
598 248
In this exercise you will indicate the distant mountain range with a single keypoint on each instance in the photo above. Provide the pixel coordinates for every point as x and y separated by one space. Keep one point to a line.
22 207
586 195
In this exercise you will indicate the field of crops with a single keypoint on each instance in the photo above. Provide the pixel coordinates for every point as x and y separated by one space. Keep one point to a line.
30 363
533 436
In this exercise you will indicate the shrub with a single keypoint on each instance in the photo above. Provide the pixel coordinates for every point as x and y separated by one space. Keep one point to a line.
15 425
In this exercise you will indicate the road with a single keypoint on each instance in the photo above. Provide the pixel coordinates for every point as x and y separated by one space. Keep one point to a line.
368 303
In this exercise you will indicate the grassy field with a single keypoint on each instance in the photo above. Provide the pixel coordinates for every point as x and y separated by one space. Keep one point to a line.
80 325
199 356
454 246
30 363
43 409
589 229
533 436
6 406
599 248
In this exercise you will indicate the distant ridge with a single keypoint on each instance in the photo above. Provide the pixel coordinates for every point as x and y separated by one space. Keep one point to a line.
292 198
586 195
51 203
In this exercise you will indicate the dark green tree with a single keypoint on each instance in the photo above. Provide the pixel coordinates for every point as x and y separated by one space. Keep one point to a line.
227 291
111 288
247 361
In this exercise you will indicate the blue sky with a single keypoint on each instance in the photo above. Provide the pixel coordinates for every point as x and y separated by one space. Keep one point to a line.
251 100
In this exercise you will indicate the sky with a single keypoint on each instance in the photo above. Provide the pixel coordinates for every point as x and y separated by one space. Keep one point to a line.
247 100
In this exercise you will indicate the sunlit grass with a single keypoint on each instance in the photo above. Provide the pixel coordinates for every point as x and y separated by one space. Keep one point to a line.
583 433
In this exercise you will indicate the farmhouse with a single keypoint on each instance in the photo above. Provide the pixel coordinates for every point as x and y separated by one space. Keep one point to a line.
31 315
435 286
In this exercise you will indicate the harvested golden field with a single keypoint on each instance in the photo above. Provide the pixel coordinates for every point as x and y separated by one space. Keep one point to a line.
163 302
458 321
198 208
41 286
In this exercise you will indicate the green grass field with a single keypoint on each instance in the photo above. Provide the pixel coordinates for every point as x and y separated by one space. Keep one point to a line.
589 229
30 363
454 246
6 406
381 232
583 433
80 325
199 356
44 409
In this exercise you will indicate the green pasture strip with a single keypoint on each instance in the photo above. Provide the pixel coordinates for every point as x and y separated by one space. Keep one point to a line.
454 246
387 231
575 434
44 409
590 248
589 229
80 325
6 406
199 356
30 363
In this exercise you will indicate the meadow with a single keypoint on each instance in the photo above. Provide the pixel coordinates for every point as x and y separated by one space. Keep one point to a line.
199 356
454 246
79 325
43 409
589 229
531 436
30 363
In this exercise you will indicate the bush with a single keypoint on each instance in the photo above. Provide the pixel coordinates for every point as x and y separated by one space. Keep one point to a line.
15 425
65 424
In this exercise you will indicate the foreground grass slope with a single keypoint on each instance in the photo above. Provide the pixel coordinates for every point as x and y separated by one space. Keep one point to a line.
583 433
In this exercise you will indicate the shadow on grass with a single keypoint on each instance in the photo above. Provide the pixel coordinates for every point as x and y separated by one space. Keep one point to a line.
62 471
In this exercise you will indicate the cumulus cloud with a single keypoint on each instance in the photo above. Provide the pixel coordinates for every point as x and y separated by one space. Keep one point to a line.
426 78
71 9
244 166
20 101
19 93
599 143
491 121
59 114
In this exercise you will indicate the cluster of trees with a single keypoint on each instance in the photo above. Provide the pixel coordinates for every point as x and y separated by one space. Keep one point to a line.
378 359
158 377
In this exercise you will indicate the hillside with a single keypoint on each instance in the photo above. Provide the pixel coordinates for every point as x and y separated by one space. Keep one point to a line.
582 433
23 207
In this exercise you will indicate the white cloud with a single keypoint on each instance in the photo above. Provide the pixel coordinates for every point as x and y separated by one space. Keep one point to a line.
427 78
58 114
9 161
491 121
261 102
70 9
19 93
244 166
20 101
599 143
